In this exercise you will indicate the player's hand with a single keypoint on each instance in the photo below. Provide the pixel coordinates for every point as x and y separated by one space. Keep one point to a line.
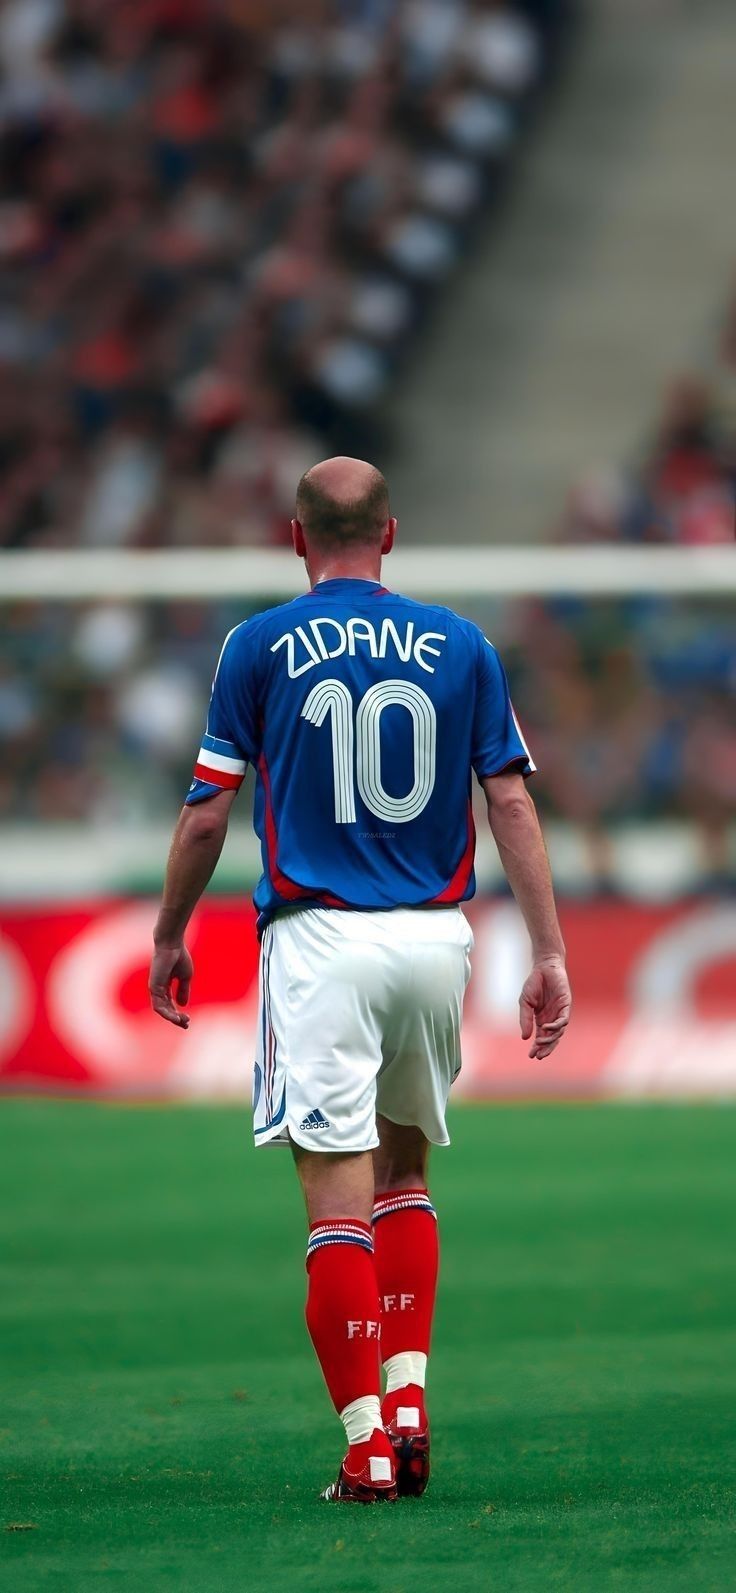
171 966
544 1006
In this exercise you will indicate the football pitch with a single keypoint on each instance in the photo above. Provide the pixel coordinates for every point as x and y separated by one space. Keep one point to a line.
163 1423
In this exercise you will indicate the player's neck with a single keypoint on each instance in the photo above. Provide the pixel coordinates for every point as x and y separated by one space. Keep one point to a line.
342 569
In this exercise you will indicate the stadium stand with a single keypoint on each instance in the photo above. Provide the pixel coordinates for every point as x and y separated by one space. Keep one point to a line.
684 488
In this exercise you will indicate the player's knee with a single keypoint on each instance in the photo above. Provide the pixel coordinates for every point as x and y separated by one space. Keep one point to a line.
335 1183
401 1159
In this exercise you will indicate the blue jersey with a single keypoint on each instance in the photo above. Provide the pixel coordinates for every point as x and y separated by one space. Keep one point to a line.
364 714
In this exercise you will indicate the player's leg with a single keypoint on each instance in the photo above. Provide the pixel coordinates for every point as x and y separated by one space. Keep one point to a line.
329 981
421 1059
330 1177
406 1252
343 1312
407 1259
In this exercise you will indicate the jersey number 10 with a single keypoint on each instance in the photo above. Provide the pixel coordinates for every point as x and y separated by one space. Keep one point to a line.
358 743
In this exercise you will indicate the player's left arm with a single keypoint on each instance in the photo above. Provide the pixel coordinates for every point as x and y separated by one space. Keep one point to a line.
195 848
502 760
545 1001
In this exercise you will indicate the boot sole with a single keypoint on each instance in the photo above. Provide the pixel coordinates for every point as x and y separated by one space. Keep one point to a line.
342 1492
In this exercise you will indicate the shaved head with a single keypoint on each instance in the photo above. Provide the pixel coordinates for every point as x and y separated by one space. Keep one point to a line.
342 503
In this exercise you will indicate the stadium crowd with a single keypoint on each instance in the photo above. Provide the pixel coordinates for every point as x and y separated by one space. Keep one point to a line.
223 223
683 489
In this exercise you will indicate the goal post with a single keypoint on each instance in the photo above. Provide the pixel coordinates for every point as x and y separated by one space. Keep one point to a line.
440 573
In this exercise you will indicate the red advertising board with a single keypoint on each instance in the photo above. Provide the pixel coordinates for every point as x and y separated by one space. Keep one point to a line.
655 1002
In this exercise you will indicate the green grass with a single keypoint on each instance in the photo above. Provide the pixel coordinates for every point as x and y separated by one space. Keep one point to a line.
163 1424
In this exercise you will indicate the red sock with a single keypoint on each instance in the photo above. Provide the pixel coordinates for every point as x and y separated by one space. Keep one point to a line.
343 1312
407 1260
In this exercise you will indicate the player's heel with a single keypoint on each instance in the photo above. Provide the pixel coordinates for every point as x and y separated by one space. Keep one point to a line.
411 1452
407 1430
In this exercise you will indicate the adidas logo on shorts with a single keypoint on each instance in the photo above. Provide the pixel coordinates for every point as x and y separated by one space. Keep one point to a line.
314 1119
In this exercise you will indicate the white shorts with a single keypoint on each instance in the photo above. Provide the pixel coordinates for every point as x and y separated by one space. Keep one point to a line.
359 1013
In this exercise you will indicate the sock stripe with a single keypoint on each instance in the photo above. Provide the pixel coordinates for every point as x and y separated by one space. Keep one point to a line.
338 1239
406 1200
339 1233
341 1225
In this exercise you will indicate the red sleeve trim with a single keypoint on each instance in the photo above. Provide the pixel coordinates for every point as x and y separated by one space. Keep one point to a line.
227 782
455 890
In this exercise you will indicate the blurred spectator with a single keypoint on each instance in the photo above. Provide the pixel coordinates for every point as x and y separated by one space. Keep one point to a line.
684 489
215 213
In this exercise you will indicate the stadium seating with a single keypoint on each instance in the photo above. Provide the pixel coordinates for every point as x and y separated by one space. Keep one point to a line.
223 227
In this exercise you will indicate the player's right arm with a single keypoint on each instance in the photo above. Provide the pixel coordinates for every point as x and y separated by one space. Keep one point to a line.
545 1001
195 849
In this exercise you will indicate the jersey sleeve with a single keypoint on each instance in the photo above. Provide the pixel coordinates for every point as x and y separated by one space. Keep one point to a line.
497 741
231 738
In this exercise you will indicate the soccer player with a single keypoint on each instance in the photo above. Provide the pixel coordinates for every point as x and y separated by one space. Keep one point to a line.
364 714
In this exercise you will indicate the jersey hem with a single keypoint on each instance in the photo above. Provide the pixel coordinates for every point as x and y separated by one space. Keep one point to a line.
307 904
